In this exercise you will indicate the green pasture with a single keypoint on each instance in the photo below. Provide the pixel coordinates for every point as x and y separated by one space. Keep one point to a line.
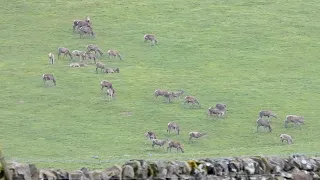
248 54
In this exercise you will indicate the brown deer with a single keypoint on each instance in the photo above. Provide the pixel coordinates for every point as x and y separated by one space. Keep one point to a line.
105 83
114 54
159 142
215 112
175 144
151 38
95 48
264 123
111 93
51 58
191 100
150 135
90 56
286 137
80 54
173 126
48 77
196 135
267 113
100 66
65 51
296 120
80 23
86 30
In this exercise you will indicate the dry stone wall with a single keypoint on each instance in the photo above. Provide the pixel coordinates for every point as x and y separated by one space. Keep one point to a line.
296 167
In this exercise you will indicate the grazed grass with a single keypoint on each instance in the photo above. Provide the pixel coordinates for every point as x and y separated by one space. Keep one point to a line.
250 55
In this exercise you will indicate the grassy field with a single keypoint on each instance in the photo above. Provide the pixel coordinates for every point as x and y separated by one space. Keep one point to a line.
250 55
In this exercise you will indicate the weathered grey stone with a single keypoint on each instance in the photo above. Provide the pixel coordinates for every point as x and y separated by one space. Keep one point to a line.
250 165
127 172
19 171
114 173
183 167
158 170
60 174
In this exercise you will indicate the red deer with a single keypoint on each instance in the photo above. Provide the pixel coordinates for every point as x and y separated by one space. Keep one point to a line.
159 142
106 84
191 100
264 123
81 23
267 113
214 111
90 56
95 48
175 144
173 126
80 54
164 93
114 54
296 120
48 77
86 30
286 137
150 135
177 94
196 135
65 51
151 38
111 93
51 58
100 66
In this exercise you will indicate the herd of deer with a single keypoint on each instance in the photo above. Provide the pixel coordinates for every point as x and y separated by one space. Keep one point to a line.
85 27
219 110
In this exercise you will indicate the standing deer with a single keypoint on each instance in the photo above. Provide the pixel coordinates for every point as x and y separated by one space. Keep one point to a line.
173 126
91 57
86 30
150 135
159 142
100 66
177 94
48 77
267 113
175 144
196 135
51 58
80 54
296 120
111 93
151 38
65 51
214 111
105 83
191 100
286 137
114 54
264 123
95 48
81 23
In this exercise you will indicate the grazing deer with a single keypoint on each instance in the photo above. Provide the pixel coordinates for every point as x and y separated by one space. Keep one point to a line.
116 70
191 100
196 135
151 38
51 58
48 77
86 30
175 144
111 93
114 54
221 107
100 66
65 51
214 111
177 94
173 126
159 142
286 137
81 23
160 92
105 83
80 54
150 135
264 123
91 57
95 48
296 120
267 113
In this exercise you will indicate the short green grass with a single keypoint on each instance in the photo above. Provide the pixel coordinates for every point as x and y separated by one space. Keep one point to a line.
250 55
